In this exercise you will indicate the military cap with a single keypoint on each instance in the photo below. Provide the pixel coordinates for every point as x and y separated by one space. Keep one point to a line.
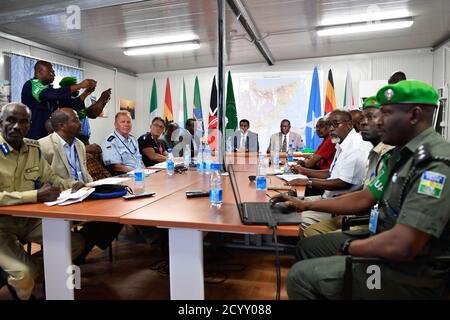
67 81
408 92
371 102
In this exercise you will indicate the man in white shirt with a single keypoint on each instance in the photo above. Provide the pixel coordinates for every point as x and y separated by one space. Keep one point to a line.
347 170
245 140
281 140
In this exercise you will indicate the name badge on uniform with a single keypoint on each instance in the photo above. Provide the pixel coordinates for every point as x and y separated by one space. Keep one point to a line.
373 220
431 184
5 149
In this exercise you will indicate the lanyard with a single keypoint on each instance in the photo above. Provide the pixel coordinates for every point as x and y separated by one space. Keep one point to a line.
334 163
135 149
74 167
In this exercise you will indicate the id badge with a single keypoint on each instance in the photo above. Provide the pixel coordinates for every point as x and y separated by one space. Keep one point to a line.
373 220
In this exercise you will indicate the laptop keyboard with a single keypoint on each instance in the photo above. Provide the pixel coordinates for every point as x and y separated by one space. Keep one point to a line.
258 212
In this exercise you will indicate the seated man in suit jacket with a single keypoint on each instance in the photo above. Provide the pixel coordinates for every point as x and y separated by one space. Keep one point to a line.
188 137
244 139
67 157
281 140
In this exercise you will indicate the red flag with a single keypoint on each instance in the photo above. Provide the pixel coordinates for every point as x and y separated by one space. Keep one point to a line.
330 98
213 122
168 113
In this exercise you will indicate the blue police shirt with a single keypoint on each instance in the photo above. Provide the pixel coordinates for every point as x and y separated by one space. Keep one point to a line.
117 149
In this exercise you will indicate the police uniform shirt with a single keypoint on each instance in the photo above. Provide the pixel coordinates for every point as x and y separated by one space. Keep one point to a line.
426 197
375 163
147 141
116 149
24 171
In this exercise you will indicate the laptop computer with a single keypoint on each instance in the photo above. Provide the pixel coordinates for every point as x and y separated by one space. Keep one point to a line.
260 213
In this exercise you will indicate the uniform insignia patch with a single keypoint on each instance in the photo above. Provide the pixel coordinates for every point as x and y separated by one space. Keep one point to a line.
111 138
5 149
431 184
31 142
389 93
108 147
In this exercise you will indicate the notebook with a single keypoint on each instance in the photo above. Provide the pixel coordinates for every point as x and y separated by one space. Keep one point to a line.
260 213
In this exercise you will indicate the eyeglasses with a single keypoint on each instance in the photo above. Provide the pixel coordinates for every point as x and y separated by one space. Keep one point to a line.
158 126
335 124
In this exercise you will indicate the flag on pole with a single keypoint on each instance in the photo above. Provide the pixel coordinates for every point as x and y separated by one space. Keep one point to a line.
197 106
168 112
153 101
182 107
330 98
212 121
349 102
230 113
314 113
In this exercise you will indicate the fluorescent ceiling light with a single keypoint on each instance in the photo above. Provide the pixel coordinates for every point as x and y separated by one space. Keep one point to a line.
369 15
163 48
361 27
161 40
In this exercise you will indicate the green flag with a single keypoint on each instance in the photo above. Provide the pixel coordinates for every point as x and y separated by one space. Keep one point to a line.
153 101
230 113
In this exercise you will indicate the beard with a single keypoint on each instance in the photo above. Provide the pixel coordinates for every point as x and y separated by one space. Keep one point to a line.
335 139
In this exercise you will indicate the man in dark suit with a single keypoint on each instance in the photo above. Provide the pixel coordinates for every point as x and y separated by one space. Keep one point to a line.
244 139
189 137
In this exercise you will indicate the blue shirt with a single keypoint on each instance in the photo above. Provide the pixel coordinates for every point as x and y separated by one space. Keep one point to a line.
117 149
72 159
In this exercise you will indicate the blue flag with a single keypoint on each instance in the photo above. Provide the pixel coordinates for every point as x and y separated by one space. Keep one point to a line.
314 113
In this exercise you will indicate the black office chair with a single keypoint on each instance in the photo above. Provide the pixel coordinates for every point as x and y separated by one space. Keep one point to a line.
348 222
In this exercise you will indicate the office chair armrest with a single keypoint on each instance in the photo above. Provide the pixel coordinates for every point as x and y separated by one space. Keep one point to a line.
348 222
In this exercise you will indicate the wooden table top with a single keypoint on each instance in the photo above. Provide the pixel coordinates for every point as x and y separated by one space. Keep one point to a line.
108 210
176 211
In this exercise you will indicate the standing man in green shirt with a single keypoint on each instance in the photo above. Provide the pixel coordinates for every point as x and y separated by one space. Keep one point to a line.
412 220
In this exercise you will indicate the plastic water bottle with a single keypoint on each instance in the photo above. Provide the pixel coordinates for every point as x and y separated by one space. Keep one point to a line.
139 176
200 161
170 164
290 156
207 160
229 146
261 181
215 186
187 156
276 159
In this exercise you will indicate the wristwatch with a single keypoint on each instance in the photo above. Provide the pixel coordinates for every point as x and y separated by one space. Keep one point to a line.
344 247
309 184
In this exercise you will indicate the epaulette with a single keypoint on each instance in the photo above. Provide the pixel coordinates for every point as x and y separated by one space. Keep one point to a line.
111 138
31 142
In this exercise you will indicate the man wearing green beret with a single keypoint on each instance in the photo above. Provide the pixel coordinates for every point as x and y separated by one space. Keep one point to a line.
84 113
370 132
411 224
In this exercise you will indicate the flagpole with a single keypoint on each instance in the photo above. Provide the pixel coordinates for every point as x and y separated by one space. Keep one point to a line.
220 82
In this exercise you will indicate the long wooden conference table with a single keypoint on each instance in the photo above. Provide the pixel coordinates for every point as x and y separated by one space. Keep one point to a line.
186 219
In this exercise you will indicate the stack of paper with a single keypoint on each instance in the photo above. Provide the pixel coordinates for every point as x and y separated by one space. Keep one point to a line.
146 171
163 165
67 197
290 177
113 180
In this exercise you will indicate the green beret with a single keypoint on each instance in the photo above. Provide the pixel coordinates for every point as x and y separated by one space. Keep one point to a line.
408 92
371 102
67 81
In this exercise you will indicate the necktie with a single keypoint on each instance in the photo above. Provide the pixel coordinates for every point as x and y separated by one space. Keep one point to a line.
283 147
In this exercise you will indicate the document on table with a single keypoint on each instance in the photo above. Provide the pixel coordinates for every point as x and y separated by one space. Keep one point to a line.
290 177
163 165
146 171
112 180
67 197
